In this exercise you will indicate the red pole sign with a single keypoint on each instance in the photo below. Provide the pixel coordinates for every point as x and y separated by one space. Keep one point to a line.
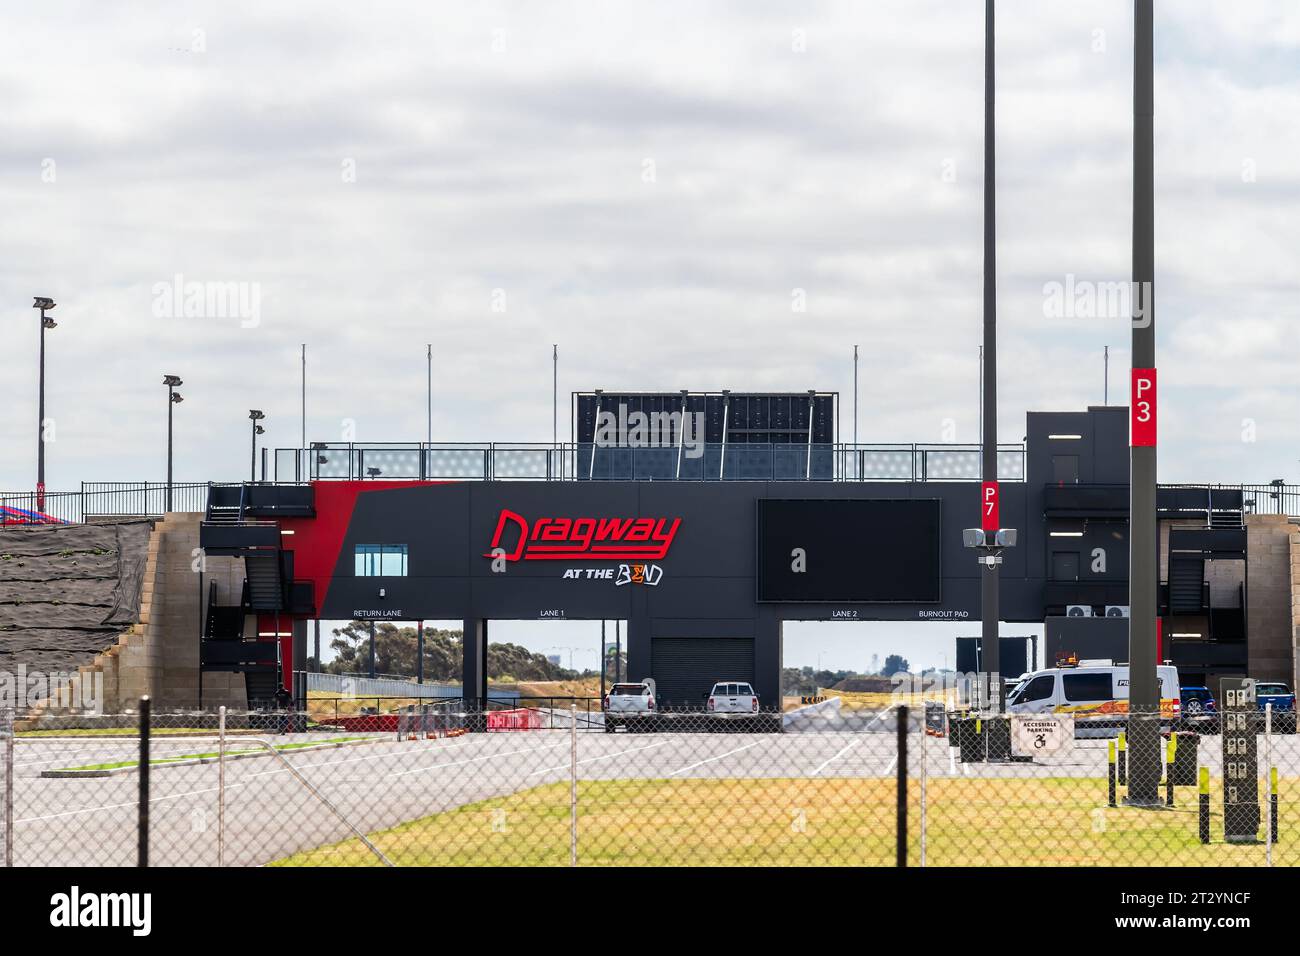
989 518
1142 409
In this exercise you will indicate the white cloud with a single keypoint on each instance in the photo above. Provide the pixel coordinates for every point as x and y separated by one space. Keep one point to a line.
522 170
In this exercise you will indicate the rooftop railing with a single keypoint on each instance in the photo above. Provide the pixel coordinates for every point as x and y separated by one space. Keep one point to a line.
115 500
497 461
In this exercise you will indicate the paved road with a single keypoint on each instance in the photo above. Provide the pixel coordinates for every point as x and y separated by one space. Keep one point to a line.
383 782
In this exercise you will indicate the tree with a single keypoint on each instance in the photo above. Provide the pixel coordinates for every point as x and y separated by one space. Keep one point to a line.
895 664
444 652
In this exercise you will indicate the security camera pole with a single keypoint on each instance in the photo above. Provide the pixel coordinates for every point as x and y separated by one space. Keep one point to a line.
989 577
1144 702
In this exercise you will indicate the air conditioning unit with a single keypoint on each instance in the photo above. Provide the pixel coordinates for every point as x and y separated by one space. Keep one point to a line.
1078 610
1117 610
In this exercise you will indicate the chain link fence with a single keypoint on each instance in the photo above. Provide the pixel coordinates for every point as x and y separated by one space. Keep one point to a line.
439 784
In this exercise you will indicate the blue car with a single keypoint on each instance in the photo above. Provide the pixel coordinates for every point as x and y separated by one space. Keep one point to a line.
1283 700
1197 701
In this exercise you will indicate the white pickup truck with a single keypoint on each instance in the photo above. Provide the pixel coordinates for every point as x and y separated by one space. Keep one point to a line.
629 704
733 697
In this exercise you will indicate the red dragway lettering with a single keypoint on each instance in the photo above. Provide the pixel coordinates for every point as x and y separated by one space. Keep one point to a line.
589 539
509 516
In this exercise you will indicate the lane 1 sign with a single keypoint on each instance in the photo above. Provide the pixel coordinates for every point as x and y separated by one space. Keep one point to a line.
1142 408
989 517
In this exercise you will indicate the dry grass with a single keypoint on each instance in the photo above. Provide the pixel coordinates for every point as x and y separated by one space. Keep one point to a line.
586 687
808 822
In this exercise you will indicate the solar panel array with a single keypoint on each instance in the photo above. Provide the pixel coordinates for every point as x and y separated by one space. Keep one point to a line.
744 435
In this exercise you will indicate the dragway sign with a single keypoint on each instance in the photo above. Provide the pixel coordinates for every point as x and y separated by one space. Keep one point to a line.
1042 735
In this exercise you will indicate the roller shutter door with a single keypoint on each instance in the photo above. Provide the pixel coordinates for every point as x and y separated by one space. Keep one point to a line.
685 668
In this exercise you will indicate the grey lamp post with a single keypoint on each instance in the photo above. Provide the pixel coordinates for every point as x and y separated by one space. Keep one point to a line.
990 569
1144 568
255 416
174 397
44 303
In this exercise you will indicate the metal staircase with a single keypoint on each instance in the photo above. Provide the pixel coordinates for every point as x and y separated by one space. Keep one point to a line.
244 522
1186 583
262 687
223 648
265 583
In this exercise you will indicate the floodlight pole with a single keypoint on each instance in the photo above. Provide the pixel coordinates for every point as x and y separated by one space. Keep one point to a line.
42 304
171 403
855 401
1144 694
990 655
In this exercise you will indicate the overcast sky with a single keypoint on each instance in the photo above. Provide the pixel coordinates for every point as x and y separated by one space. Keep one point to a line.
647 185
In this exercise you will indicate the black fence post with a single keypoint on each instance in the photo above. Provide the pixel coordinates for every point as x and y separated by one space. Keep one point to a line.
902 786
142 824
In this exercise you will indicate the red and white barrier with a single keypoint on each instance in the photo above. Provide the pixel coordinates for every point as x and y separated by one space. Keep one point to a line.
522 718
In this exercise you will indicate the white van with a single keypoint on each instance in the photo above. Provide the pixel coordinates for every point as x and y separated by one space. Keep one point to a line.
1094 692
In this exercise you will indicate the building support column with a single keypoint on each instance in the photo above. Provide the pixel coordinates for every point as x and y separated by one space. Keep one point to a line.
474 672
299 658
767 659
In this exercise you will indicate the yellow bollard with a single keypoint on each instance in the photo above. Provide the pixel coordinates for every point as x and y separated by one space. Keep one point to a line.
1110 773
1204 799
1170 748
1272 800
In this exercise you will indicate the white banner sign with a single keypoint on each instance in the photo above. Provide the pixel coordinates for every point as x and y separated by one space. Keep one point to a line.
1042 735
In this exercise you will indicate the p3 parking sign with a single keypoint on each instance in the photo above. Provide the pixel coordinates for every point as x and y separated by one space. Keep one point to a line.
1142 408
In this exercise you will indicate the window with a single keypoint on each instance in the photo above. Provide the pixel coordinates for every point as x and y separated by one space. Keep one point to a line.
1040 688
1087 687
381 561
745 690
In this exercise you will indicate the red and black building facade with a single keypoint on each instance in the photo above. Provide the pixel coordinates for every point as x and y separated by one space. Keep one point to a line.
705 572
